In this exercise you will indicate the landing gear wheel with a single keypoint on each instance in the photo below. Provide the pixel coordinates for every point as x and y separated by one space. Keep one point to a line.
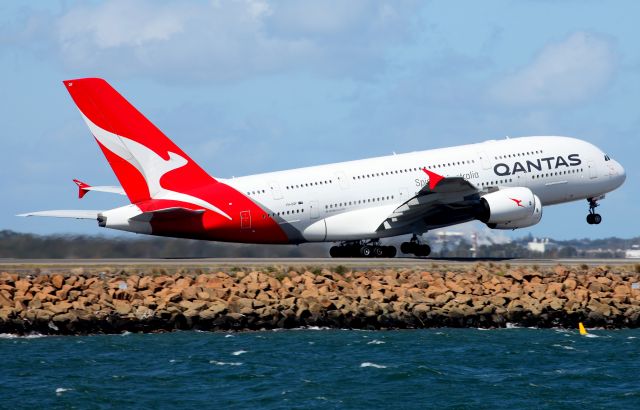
597 219
406 247
366 251
422 250
378 251
390 251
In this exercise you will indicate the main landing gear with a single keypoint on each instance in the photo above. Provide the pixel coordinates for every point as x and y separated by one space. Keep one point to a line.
593 218
414 247
365 249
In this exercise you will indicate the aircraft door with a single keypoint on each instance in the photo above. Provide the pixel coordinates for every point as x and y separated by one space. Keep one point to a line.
484 160
314 210
342 179
245 220
593 172
276 193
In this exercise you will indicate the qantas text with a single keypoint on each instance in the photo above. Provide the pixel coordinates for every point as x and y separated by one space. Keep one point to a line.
541 164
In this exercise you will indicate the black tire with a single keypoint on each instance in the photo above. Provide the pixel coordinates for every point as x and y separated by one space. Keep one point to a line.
405 247
423 250
334 251
390 251
379 251
597 219
590 219
366 251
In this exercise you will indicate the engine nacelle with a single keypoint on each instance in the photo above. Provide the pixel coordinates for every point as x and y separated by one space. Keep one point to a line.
510 208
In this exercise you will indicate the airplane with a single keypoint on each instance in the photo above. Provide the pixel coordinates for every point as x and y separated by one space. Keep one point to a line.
503 183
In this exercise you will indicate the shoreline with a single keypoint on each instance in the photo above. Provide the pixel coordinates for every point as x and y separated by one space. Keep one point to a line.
481 296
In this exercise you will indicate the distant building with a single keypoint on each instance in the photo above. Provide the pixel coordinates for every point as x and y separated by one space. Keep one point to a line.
632 253
540 245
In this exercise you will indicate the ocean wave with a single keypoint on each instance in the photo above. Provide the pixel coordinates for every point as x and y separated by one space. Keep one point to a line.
239 352
376 342
15 336
217 363
369 364
565 347
61 390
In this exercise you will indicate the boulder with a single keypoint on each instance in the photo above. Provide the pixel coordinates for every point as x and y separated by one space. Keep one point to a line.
22 285
122 307
57 280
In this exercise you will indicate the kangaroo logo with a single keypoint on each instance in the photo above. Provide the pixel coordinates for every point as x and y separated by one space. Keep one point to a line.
518 202
151 165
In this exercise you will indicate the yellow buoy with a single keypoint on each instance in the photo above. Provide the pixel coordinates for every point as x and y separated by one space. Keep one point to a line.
583 331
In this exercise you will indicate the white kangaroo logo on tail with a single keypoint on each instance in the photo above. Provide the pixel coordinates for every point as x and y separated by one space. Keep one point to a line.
151 165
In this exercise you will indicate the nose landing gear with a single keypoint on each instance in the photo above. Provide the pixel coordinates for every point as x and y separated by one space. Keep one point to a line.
415 247
593 218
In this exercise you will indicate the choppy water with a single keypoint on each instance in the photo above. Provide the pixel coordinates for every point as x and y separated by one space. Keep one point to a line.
442 368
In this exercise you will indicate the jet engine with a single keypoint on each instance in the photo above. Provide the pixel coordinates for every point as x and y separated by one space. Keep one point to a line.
510 208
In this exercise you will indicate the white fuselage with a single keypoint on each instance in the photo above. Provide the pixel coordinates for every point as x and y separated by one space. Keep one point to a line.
347 200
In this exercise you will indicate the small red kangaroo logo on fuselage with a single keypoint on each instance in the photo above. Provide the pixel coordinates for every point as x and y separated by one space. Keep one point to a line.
518 202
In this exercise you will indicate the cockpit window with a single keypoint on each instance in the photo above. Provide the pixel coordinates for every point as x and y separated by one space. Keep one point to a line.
607 158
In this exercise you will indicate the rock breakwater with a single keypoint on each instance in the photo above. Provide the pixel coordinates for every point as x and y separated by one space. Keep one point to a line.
79 302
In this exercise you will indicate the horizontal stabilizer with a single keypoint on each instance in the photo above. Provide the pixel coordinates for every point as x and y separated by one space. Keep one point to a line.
83 188
66 213
167 214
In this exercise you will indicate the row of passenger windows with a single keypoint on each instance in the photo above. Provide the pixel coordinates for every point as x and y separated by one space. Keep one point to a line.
308 184
571 171
519 154
289 212
493 183
358 202
259 191
402 171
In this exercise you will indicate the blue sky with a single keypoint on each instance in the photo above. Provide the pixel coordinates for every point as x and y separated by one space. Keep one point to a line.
253 86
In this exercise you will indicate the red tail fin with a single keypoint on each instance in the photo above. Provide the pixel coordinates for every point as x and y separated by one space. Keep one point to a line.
139 153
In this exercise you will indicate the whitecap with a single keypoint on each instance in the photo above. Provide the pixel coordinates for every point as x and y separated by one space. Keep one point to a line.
565 347
14 336
631 337
125 333
369 364
591 335
217 363
172 361
239 352
376 342
228 335
61 390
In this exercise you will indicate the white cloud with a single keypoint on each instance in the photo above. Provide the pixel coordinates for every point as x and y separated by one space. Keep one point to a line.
570 71
222 40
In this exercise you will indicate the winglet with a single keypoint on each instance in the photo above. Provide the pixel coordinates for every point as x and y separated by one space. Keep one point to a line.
434 179
82 188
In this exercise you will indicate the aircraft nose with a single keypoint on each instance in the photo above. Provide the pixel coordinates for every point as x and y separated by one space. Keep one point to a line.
621 174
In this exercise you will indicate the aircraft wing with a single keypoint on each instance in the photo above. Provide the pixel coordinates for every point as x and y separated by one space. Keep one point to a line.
66 213
442 201
83 188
